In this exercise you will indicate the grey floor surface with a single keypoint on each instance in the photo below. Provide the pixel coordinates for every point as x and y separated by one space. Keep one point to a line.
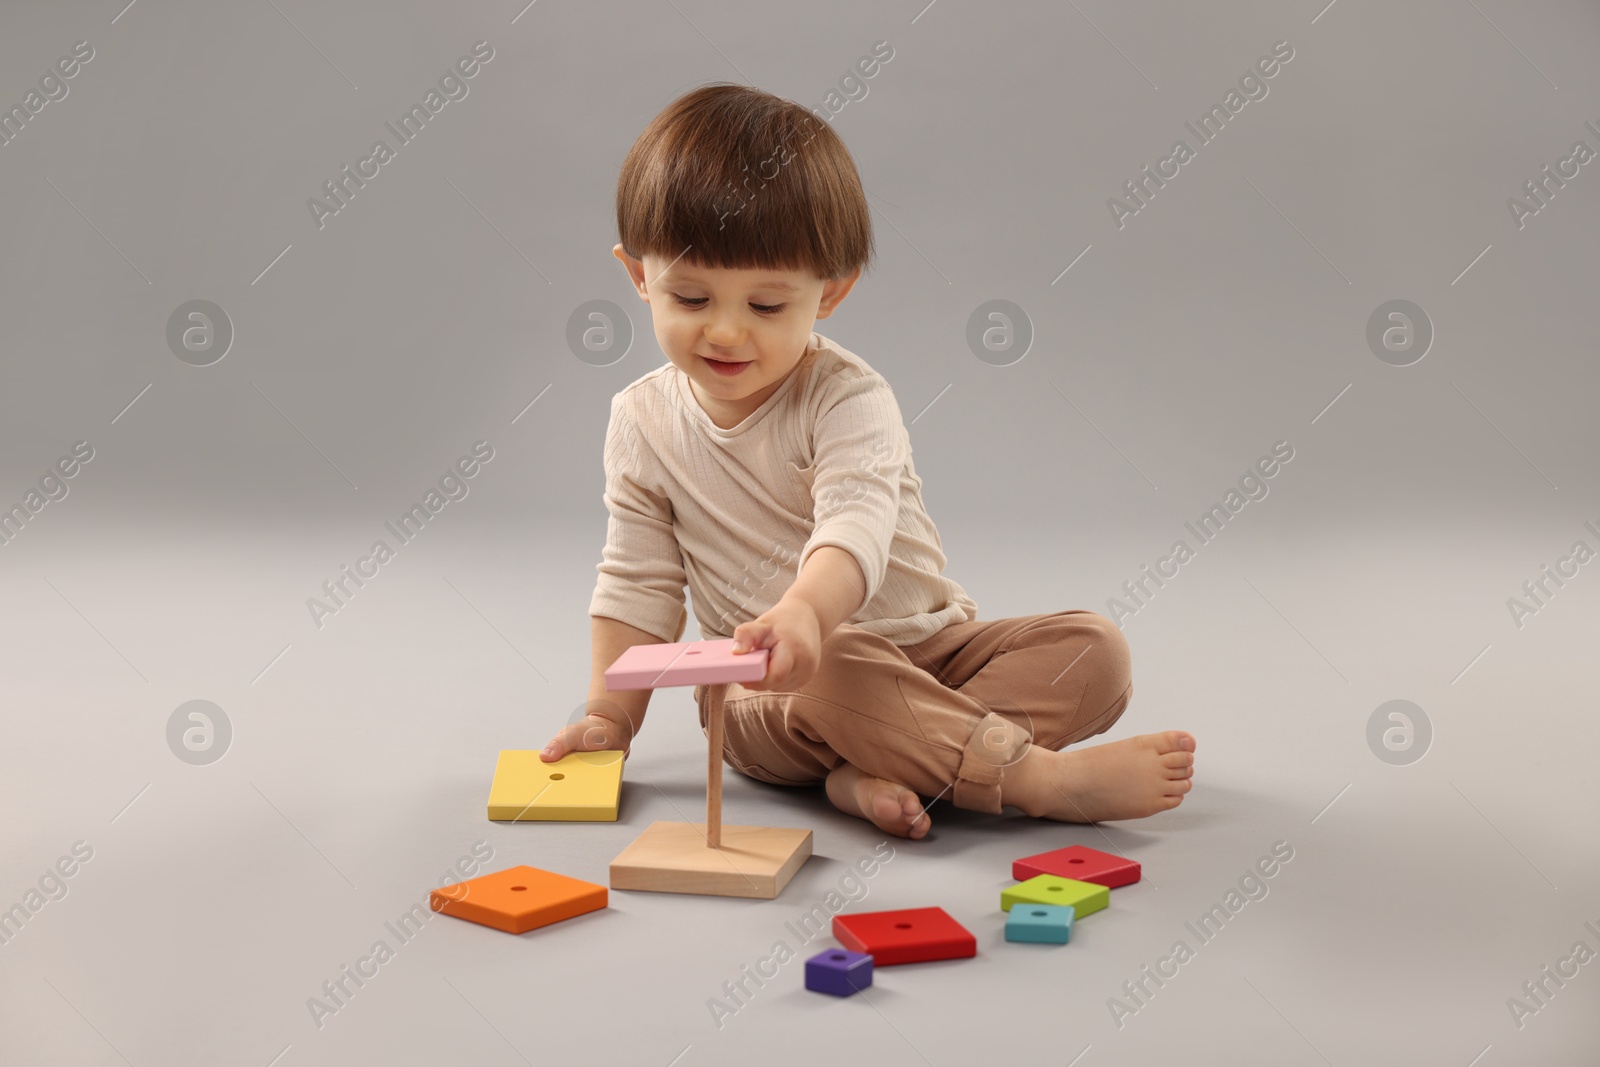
220 898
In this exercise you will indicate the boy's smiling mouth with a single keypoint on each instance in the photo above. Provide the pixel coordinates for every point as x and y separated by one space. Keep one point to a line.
727 368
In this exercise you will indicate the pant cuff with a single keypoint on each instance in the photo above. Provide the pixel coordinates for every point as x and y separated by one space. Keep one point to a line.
996 743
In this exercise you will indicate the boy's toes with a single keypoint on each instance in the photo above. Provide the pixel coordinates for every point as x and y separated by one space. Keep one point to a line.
894 809
916 817
889 806
885 807
1174 741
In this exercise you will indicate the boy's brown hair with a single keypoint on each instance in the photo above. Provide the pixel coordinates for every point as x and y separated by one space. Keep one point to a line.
743 179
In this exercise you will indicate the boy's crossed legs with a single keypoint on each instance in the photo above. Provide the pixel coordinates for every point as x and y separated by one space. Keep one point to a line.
980 708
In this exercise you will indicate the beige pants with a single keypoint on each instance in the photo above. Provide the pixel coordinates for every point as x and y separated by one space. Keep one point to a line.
949 713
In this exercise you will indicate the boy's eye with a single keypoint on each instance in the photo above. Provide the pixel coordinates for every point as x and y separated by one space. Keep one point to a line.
699 301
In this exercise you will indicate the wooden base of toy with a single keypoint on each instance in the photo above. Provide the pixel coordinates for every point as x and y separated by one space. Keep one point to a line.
673 857
708 858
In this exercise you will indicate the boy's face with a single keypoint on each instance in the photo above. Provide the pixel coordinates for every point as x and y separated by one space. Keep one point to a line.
736 333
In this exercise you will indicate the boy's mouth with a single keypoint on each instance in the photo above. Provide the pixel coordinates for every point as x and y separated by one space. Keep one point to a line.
726 368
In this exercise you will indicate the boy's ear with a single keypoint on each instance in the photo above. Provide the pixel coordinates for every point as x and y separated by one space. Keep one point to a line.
635 269
834 292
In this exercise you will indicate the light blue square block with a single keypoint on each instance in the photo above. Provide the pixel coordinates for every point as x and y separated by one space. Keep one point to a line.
1049 924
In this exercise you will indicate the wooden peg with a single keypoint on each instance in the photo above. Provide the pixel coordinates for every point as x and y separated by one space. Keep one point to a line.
714 697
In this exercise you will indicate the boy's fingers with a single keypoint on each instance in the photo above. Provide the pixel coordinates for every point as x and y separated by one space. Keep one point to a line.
586 735
569 739
750 635
779 664
599 734
566 740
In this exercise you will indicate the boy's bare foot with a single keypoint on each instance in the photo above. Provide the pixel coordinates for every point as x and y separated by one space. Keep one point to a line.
1127 779
890 807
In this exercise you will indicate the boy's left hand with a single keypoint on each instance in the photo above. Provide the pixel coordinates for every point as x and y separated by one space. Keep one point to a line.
792 633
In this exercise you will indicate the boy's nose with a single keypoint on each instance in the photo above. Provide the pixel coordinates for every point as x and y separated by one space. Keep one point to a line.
724 333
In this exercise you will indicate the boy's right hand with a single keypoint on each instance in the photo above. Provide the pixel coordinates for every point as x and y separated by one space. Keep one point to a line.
593 733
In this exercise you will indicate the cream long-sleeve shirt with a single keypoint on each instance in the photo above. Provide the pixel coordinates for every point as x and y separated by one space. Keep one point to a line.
735 513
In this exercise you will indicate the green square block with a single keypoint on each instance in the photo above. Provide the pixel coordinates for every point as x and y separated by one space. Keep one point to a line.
1082 897
1049 924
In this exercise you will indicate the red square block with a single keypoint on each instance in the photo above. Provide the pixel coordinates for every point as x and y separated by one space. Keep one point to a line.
1080 862
911 935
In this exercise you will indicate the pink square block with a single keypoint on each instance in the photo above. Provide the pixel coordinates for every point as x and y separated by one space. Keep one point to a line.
658 666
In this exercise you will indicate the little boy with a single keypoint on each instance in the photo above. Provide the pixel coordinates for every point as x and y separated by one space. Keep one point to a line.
769 468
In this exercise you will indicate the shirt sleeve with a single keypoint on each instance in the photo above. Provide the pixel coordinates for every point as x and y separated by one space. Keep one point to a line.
861 447
641 575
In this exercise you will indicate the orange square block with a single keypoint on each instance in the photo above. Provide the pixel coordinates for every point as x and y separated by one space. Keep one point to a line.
518 899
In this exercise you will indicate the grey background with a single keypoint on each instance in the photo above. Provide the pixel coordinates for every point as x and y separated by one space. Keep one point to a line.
431 311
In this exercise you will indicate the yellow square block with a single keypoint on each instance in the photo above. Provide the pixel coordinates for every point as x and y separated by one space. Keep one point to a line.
578 787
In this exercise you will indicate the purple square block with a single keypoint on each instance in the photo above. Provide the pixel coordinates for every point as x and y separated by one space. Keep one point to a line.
838 971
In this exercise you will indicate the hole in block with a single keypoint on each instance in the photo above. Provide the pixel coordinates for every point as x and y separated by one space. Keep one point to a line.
518 888
1054 888
557 777
902 926
1075 859
1040 914
837 956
